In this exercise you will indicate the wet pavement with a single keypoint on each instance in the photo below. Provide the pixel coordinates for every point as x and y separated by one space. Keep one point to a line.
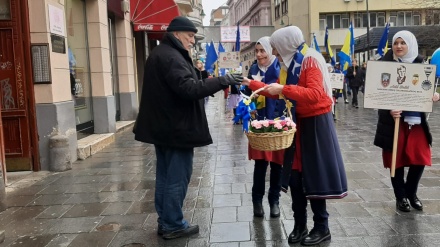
107 199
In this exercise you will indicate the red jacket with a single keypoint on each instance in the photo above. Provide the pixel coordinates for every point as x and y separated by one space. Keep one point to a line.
311 99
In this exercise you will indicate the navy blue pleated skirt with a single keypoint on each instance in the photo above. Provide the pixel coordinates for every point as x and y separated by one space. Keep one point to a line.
322 165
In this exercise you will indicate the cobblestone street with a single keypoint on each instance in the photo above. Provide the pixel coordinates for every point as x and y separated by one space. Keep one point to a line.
108 199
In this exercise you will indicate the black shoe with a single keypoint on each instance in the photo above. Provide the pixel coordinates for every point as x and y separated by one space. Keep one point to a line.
415 203
275 210
316 236
160 230
298 234
403 205
346 102
190 230
258 209
357 106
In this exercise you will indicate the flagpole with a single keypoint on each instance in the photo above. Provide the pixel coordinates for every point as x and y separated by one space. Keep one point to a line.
368 32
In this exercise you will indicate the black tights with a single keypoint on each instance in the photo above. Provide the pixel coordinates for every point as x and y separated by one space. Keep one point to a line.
407 189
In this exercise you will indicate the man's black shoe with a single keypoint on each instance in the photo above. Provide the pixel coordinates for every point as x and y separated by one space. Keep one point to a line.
274 210
415 203
403 205
258 209
316 236
160 230
190 230
298 234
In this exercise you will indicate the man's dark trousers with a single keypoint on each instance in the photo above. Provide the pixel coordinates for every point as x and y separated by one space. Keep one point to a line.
173 173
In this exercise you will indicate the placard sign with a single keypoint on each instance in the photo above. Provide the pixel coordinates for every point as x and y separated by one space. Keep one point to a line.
229 34
337 80
229 60
399 86
56 20
40 63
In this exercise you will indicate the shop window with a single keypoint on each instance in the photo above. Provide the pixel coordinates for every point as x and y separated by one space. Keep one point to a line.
284 7
432 17
78 55
277 5
5 9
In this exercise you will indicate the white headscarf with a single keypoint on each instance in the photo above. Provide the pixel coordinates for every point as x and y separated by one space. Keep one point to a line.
265 43
411 42
287 40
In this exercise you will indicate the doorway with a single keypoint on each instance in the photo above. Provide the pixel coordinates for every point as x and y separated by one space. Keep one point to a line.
114 64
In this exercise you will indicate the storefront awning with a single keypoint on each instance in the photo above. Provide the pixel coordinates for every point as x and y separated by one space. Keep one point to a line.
152 15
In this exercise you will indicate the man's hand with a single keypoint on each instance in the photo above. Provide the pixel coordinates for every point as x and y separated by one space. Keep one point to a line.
234 79
246 81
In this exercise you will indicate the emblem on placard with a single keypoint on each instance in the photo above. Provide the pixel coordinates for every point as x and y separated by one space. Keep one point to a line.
426 84
385 79
415 79
401 74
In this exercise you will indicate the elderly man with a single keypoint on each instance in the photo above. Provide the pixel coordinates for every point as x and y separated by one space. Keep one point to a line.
172 117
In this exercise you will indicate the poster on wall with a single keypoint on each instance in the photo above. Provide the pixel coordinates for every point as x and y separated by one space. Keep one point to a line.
56 20
229 34
229 60
399 86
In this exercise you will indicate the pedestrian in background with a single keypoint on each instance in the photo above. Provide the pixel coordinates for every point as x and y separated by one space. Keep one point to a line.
344 89
356 78
414 137
266 70
317 169
172 117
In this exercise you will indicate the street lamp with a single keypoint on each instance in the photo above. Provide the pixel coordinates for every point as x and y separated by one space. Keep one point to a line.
202 14
282 22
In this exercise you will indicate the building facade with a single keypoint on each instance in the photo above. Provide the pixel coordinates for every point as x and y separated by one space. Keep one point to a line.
313 16
251 13
72 68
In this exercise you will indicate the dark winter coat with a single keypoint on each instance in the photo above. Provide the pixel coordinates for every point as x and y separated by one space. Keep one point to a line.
171 111
355 80
385 125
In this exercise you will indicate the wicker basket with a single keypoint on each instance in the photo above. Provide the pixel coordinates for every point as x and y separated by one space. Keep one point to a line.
271 141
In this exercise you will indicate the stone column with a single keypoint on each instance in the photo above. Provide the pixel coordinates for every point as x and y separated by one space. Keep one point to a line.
104 112
127 87
54 105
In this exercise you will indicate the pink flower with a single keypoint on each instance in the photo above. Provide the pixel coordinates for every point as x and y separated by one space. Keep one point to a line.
271 122
256 124
285 129
265 123
283 122
278 126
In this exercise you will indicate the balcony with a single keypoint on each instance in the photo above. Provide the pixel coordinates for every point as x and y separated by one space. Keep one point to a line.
185 6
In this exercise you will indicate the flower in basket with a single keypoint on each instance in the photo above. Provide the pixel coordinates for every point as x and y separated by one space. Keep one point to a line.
266 126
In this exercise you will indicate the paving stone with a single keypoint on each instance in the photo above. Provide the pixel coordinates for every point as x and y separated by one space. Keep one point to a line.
53 212
73 225
86 210
352 227
227 232
227 200
32 241
61 240
126 222
224 214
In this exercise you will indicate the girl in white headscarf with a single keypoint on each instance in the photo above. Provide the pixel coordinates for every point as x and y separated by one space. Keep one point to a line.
413 148
314 165
266 70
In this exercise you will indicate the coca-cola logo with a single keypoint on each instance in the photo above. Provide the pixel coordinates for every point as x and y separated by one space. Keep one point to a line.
145 27
163 27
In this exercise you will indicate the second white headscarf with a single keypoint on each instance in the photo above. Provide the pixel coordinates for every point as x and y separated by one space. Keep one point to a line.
265 42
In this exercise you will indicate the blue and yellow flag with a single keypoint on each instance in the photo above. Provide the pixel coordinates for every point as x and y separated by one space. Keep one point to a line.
328 48
347 50
382 48
315 44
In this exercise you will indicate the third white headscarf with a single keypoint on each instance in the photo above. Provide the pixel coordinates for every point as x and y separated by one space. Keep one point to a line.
287 40
265 42
411 42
